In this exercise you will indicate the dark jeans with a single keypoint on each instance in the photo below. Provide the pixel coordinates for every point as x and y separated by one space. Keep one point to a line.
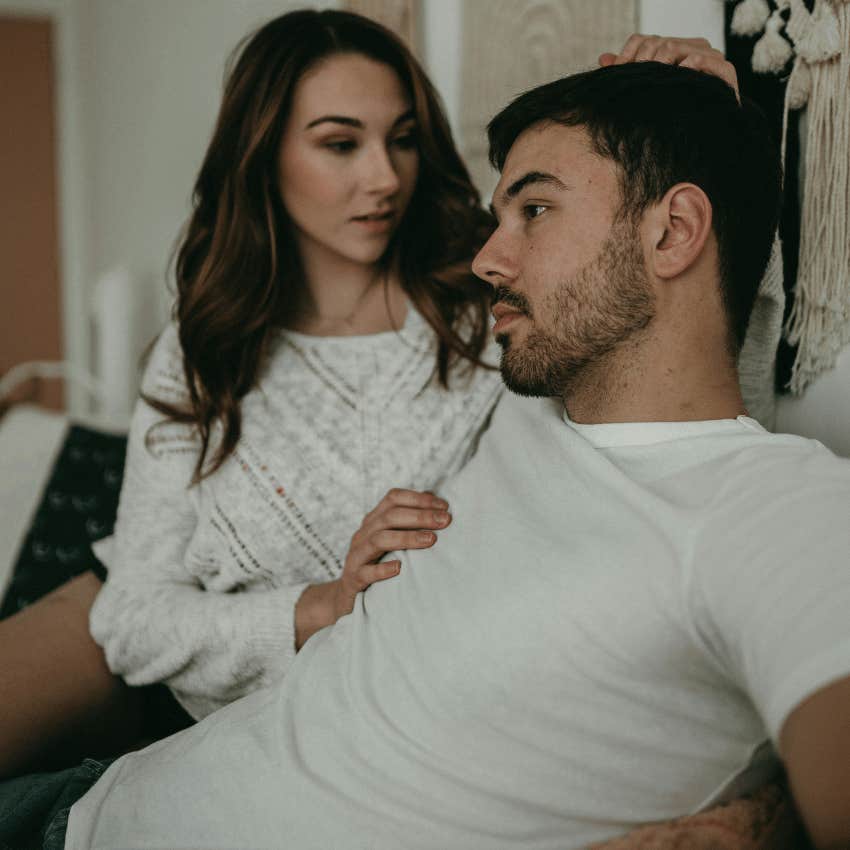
34 809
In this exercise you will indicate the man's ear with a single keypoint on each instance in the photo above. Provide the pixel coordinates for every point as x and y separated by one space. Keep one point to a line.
677 228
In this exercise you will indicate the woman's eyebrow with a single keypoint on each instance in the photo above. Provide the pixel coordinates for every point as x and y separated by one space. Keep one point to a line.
348 121
336 119
408 115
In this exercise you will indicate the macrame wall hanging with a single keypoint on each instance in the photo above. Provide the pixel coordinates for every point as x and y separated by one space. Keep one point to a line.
815 40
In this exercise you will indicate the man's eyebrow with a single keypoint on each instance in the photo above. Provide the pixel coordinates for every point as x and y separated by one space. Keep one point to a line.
348 121
532 178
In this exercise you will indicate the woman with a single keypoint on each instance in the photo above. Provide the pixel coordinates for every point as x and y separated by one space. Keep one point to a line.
326 313
329 344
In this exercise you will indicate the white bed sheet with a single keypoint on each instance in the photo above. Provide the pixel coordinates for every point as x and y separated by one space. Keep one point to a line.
30 439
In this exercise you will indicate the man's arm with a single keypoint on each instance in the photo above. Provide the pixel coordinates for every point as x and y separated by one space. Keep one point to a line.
815 745
765 821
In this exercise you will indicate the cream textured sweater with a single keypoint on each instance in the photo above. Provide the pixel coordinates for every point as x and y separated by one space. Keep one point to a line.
203 580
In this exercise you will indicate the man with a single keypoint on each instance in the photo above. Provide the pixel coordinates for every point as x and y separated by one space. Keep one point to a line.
641 587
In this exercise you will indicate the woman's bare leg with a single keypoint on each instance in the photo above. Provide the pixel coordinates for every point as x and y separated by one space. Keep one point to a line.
58 700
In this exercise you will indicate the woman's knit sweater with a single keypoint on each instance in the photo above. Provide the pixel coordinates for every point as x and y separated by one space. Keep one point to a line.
203 580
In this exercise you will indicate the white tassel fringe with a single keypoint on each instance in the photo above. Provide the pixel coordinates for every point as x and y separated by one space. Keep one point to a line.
819 323
799 84
821 40
772 52
750 17
798 22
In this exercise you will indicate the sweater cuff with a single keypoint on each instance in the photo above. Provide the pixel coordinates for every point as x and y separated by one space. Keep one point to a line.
273 635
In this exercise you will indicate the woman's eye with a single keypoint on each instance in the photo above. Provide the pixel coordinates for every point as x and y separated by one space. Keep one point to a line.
345 146
533 210
405 142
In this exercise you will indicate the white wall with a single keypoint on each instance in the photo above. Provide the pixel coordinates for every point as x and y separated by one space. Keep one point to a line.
441 43
684 18
154 74
441 24
71 179
138 89
151 78
823 411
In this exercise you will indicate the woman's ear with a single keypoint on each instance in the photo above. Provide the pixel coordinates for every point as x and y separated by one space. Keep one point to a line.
678 227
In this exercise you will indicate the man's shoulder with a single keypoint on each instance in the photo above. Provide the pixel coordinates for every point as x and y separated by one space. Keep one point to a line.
782 492
797 463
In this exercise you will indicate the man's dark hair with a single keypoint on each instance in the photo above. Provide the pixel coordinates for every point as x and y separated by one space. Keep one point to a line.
664 125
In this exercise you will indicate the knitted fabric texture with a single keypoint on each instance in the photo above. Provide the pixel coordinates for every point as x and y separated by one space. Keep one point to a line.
203 580
757 361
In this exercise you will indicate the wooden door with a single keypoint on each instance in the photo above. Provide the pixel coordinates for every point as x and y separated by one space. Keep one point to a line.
30 297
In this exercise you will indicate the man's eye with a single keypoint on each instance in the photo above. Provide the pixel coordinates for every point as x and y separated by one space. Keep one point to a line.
345 146
533 210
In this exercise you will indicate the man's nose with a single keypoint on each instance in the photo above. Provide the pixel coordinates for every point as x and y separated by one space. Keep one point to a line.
380 176
493 263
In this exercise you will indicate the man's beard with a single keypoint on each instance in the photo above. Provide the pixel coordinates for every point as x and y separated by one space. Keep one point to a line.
601 307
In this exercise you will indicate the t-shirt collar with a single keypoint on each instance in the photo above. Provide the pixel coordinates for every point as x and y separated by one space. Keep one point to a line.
608 435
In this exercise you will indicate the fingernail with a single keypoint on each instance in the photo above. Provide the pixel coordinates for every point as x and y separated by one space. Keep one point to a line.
440 504
441 518
426 537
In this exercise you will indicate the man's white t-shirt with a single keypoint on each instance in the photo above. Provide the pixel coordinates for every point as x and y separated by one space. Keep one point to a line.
618 617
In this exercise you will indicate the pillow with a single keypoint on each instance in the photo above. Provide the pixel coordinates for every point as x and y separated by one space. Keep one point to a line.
77 507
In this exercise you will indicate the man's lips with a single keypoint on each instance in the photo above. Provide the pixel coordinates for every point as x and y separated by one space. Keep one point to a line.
504 316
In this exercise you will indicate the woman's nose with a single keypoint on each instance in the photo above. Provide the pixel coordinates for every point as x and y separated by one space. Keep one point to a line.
381 176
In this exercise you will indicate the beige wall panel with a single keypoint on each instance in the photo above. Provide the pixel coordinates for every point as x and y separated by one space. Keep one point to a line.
510 46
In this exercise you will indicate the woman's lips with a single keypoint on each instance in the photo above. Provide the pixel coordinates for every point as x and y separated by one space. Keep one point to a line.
375 223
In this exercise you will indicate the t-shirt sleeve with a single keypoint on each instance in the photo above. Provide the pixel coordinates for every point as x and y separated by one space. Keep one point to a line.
771 584
154 620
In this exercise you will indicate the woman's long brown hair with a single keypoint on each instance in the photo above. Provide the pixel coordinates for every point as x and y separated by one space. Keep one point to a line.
237 265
